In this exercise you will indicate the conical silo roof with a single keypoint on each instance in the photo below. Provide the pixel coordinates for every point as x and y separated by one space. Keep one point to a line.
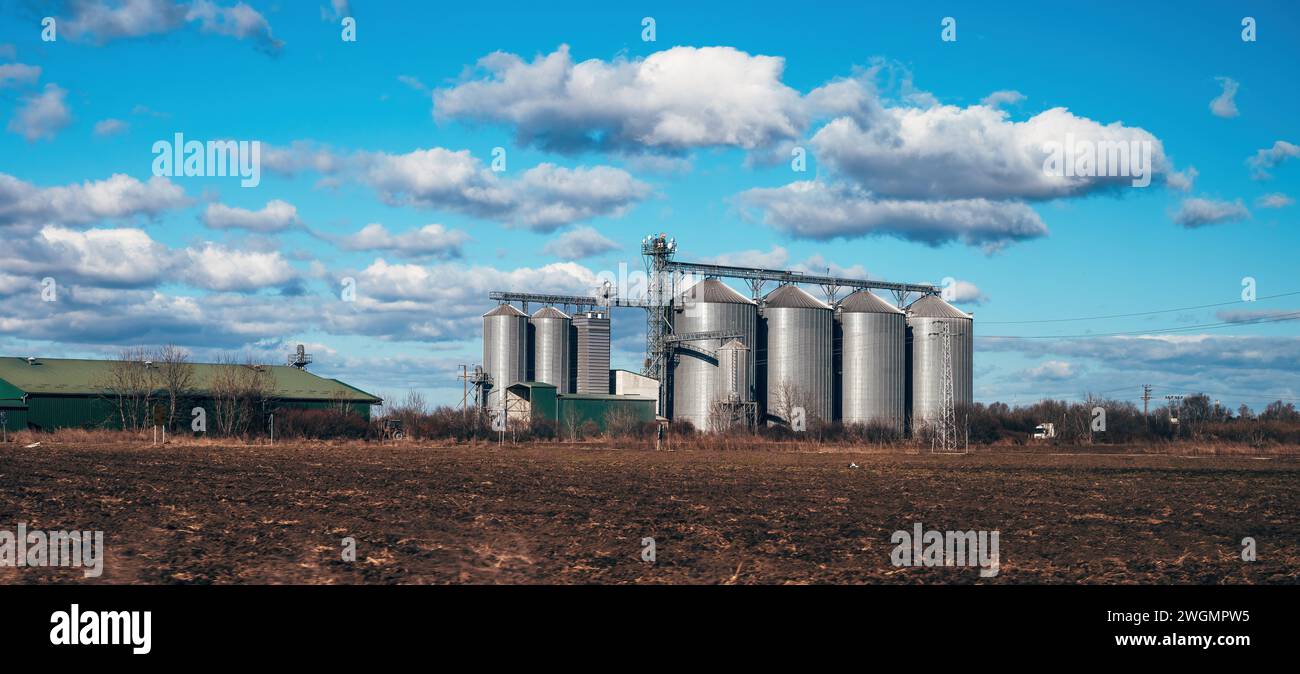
735 344
550 312
867 302
793 297
505 310
932 306
713 290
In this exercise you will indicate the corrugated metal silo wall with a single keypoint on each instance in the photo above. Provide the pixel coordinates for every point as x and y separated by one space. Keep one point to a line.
551 352
591 371
505 353
697 380
799 356
926 355
733 374
873 368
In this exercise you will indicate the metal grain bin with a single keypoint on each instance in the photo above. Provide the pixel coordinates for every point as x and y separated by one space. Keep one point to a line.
733 372
925 320
696 379
873 359
798 354
505 349
551 347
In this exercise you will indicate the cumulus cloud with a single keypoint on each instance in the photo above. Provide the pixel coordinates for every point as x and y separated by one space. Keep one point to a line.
947 152
109 127
578 243
998 99
1182 180
118 197
429 241
1198 212
1184 354
119 257
814 210
1224 104
214 267
1274 200
672 100
41 115
16 74
962 292
100 22
276 216
1270 157
543 198
1052 369
776 257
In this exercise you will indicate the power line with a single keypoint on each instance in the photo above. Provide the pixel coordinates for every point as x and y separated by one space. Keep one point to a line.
1285 317
1139 313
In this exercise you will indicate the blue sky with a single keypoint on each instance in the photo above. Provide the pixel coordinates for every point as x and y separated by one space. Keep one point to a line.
377 154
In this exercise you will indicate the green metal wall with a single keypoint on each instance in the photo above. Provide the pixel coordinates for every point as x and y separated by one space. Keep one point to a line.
51 412
596 410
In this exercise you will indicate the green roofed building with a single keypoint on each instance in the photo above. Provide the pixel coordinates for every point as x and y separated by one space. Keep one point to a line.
50 393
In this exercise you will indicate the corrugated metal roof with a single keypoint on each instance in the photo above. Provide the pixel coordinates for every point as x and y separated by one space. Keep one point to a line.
867 302
550 312
932 306
793 297
505 310
713 290
76 376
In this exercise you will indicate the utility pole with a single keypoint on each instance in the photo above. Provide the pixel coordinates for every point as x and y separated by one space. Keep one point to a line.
1146 398
947 430
464 377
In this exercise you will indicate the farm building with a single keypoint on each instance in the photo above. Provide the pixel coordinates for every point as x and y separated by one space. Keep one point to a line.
50 393
526 399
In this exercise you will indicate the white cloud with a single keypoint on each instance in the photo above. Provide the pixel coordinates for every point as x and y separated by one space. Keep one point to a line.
114 257
41 115
776 257
118 197
276 216
101 22
14 74
1270 157
1182 180
1052 369
963 292
432 240
671 100
1224 104
814 210
1274 200
543 198
110 127
998 99
578 243
1197 212
223 269
947 152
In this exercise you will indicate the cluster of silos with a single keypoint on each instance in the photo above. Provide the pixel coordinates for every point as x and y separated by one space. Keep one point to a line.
569 352
707 371
931 321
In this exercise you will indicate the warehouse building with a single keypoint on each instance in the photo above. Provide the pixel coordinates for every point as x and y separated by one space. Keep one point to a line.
530 400
50 393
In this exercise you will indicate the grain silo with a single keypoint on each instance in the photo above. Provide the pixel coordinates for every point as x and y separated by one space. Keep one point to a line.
798 337
872 363
925 320
697 381
551 347
505 349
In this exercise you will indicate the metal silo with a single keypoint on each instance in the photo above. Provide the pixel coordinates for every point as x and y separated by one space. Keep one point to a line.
799 373
925 320
697 379
551 347
873 348
505 349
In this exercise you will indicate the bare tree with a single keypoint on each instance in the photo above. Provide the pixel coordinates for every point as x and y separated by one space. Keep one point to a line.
175 378
240 394
129 385
572 422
